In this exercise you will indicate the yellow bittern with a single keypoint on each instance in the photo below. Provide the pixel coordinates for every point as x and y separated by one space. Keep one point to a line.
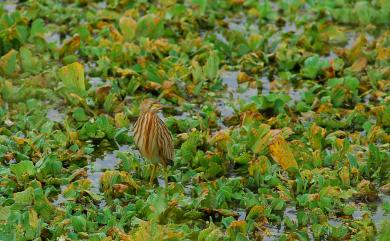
152 136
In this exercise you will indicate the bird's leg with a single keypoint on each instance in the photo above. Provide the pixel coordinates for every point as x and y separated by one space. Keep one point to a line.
166 180
166 176
152 174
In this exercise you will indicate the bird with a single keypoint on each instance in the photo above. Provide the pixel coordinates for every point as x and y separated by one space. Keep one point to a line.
152 137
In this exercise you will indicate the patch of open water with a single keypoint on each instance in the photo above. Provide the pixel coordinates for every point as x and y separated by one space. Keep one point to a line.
10 6
55 115
109 161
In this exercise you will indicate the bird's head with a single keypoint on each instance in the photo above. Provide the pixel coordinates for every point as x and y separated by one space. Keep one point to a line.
151 105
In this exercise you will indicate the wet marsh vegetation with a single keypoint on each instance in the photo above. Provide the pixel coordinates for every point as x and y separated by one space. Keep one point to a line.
281 122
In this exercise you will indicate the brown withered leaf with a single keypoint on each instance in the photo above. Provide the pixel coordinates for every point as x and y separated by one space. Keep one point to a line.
102 92
70 46
243 77
115 34
359 65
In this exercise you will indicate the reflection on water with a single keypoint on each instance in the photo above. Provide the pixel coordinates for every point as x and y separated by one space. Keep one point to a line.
221 38
292 27
332 55
296 95
101 5
242 214
265 85
60 198
88 67
53 38
239 92
55 115
95 81
10 6
274 231
353 36
379 216
108 161
188 189
291 212
225 109
161 182
237 24
230 79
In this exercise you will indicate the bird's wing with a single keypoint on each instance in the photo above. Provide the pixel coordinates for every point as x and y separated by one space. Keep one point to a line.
167 149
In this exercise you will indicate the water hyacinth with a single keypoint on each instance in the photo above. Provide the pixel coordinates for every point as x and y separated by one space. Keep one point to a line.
280 118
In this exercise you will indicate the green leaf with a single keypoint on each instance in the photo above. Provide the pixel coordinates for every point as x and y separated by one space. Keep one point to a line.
5 212
313 66
223 195
386 207
200 6
386 117
79 223
335 81
348 209
8 63
25 197
153 74
150 26
23 168
278 204
384 233
303 218
50 166
28 62
80 115
22 33
351 82
211 69
37 27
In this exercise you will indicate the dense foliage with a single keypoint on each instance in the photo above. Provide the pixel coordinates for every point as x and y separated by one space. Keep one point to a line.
281 122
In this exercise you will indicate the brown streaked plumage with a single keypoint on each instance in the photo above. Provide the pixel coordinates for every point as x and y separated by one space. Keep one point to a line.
152 135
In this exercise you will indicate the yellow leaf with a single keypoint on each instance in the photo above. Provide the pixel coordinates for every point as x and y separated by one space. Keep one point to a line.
256 212
243 77
281 153
33 218
20 140
125 72
115 34
239 225
220 136
383 54
333 191
127 26
357 49
344 176
73 76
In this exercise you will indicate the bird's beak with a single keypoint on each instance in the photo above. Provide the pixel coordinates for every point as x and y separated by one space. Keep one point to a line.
167 106
158 106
